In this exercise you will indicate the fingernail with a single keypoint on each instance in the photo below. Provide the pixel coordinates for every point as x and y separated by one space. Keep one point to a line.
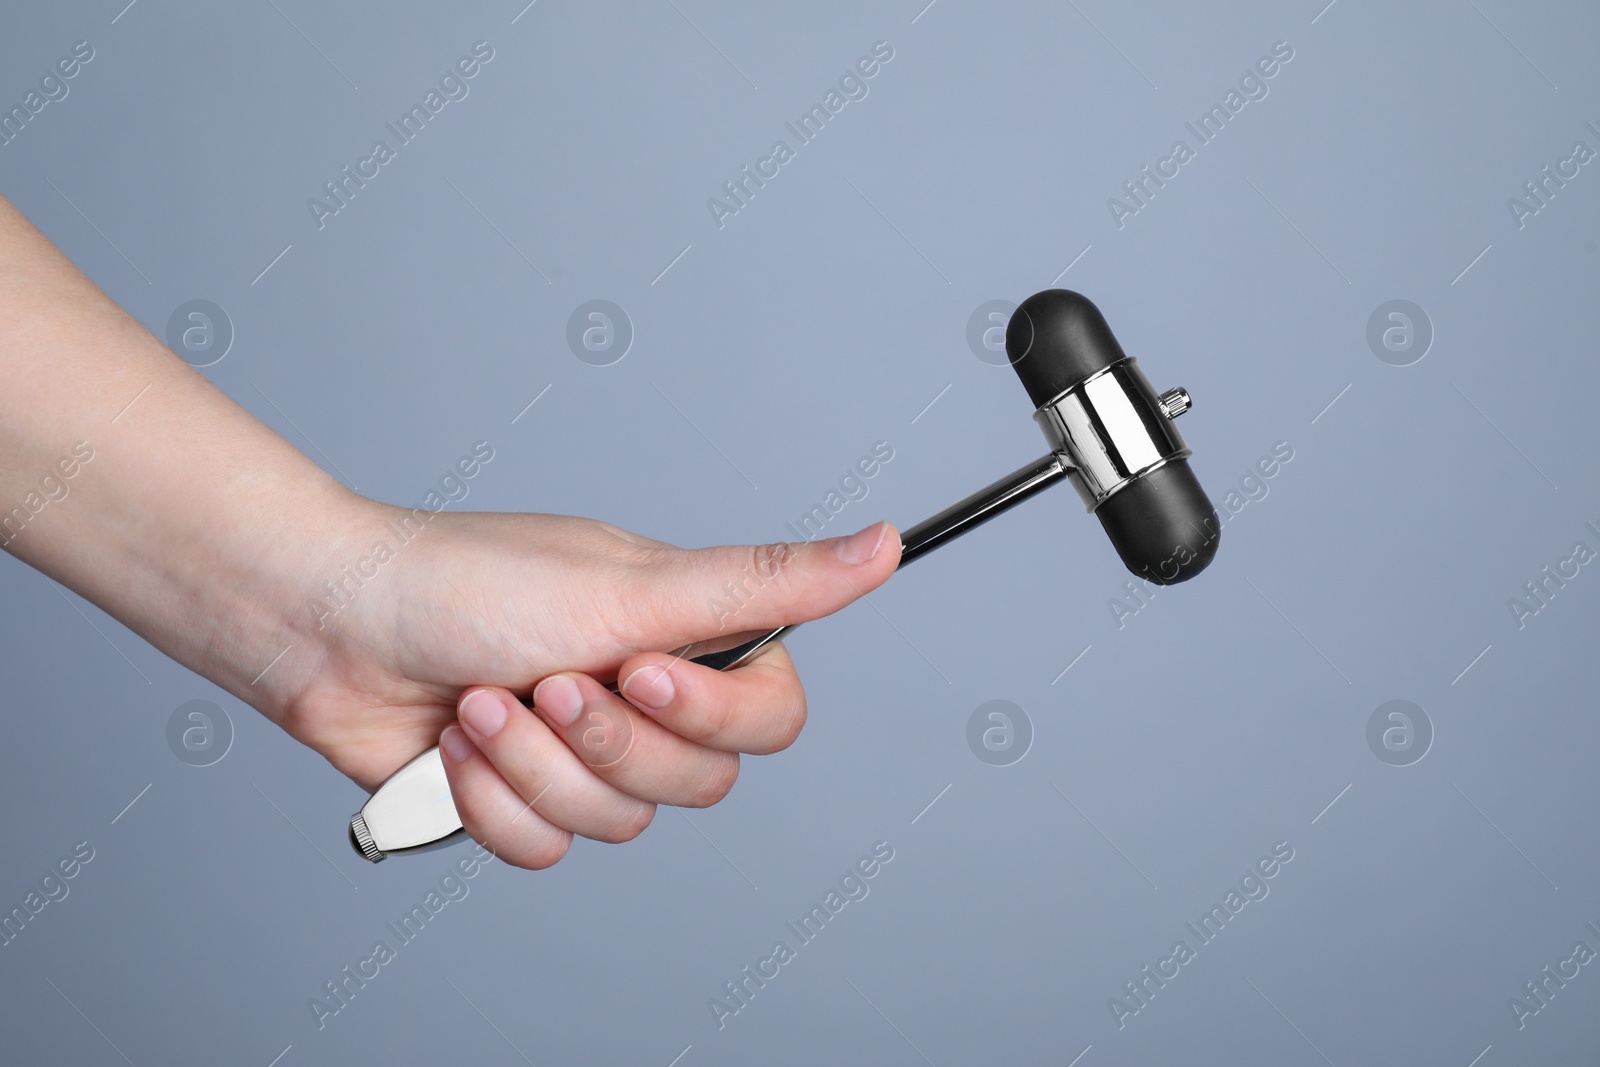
558 697
483 713
456 744
650 686
861 546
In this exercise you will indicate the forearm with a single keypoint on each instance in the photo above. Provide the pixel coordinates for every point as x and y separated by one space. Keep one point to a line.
128 477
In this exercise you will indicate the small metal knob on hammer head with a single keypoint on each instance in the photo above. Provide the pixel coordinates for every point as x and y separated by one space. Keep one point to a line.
1174 402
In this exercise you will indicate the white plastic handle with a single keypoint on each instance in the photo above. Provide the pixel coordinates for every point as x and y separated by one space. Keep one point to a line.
413 808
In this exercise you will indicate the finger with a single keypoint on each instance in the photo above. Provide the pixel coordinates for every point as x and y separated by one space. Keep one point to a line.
687 595
629 750
494 813
543 770
757 708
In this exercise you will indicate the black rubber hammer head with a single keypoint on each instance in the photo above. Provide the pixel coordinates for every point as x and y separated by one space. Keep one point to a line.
1131 467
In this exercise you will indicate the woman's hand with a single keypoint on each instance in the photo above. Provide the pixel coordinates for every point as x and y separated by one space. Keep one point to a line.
477 609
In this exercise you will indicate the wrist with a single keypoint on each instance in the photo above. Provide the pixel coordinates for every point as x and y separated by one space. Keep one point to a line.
348 564
240 605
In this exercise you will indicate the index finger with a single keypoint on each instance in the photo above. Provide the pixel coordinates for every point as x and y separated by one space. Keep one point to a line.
758 707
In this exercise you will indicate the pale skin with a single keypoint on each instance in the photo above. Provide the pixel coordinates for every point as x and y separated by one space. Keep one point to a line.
210 536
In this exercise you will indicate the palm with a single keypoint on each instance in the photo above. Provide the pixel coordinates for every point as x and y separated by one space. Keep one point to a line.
475 599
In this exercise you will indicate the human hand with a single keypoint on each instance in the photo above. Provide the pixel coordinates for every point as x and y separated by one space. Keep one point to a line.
478 608
268 582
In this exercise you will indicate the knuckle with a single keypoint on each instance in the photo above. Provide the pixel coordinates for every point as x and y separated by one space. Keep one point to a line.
715 782
762 567
544 853
631 825
717 718
604 736
469 805
789 727
769 561
781 726
528 845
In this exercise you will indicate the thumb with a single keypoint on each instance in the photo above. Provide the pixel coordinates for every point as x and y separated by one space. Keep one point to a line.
701 593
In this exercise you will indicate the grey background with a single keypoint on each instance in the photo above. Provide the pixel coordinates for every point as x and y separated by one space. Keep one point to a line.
1223 718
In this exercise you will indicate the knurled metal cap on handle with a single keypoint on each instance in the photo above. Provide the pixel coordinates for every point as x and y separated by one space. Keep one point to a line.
361 838
413 809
